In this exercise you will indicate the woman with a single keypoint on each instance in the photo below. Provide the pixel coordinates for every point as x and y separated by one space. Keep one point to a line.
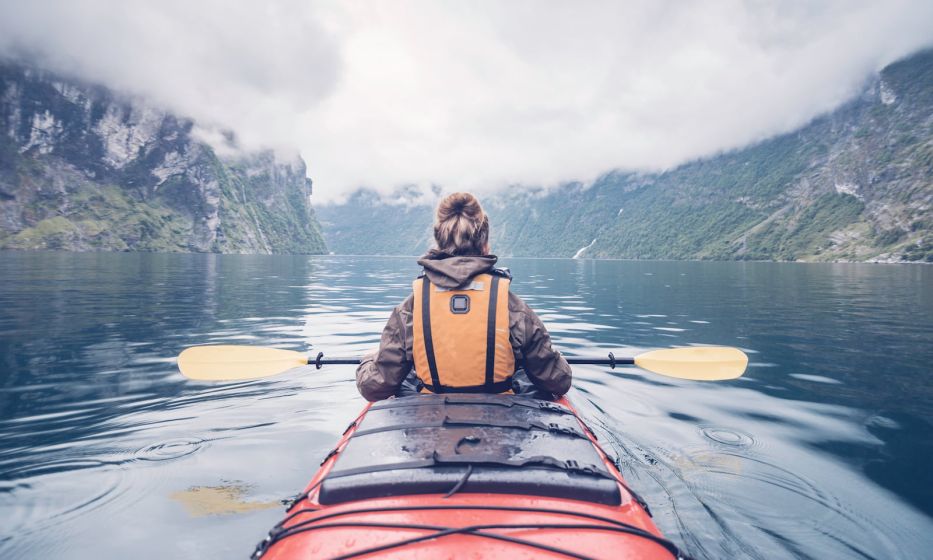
461 329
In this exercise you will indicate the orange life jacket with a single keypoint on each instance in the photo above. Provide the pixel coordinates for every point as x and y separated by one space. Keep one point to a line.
461 337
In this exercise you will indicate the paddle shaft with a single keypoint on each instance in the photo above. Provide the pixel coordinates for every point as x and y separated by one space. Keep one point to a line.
335 361
611 361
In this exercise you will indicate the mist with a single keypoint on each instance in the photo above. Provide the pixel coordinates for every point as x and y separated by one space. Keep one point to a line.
476 95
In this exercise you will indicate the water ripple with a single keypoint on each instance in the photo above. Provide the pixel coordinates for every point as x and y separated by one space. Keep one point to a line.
170 449
730 437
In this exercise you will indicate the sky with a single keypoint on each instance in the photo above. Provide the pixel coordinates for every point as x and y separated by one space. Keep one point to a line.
476 95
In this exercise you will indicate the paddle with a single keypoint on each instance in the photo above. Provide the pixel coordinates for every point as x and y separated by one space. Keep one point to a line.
233 363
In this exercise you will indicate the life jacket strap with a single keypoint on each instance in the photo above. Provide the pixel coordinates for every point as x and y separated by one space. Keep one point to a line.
428 339
498 387
491 337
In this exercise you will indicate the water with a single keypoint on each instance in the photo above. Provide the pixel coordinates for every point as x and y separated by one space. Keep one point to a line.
819 451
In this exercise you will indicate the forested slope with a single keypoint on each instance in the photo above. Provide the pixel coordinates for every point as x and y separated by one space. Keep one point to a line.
855 184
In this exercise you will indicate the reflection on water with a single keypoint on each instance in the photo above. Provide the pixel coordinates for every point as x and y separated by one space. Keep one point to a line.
819 451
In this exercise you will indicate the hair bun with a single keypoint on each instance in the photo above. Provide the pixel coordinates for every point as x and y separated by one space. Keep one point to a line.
462 203
462 227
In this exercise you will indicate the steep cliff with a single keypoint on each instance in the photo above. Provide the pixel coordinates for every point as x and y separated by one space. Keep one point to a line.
853 185
82 168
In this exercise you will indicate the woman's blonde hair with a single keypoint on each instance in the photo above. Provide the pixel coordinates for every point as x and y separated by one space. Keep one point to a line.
461 226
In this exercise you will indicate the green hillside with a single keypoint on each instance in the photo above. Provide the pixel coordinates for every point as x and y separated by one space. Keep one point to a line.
854 185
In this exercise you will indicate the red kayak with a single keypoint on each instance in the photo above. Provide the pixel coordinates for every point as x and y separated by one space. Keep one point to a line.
467 475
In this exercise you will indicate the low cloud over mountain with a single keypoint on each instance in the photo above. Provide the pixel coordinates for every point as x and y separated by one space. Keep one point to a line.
477 95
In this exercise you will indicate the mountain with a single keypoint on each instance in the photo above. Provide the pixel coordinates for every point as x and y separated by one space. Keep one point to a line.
853 185
368 224
83 168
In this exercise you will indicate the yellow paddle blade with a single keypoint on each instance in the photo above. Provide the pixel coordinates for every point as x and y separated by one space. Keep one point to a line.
232 363
699 363
220 500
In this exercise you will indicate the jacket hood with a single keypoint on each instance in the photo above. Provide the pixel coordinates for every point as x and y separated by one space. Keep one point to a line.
448 271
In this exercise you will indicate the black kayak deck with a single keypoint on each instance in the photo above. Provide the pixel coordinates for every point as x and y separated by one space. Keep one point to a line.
499 444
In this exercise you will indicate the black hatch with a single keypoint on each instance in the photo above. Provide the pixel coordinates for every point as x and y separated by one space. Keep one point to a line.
499 444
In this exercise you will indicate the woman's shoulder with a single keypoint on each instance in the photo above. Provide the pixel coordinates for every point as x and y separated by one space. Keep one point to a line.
517 304
501 272
404 309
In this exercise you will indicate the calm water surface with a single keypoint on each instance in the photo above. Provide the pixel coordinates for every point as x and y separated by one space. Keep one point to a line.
820 451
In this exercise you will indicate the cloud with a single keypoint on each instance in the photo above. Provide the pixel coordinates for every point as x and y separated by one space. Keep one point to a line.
479 95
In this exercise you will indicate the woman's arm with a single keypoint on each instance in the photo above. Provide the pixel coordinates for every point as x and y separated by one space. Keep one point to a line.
382 371
546 368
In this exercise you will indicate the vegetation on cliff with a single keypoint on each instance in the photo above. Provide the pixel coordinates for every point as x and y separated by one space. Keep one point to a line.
853 185
83 169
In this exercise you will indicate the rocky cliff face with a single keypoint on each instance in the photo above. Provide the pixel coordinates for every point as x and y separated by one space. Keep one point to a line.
853 185
83 169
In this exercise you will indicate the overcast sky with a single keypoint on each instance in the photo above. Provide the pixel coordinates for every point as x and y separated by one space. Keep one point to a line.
478 95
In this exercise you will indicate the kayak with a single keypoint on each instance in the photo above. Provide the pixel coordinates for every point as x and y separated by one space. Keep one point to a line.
467 475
